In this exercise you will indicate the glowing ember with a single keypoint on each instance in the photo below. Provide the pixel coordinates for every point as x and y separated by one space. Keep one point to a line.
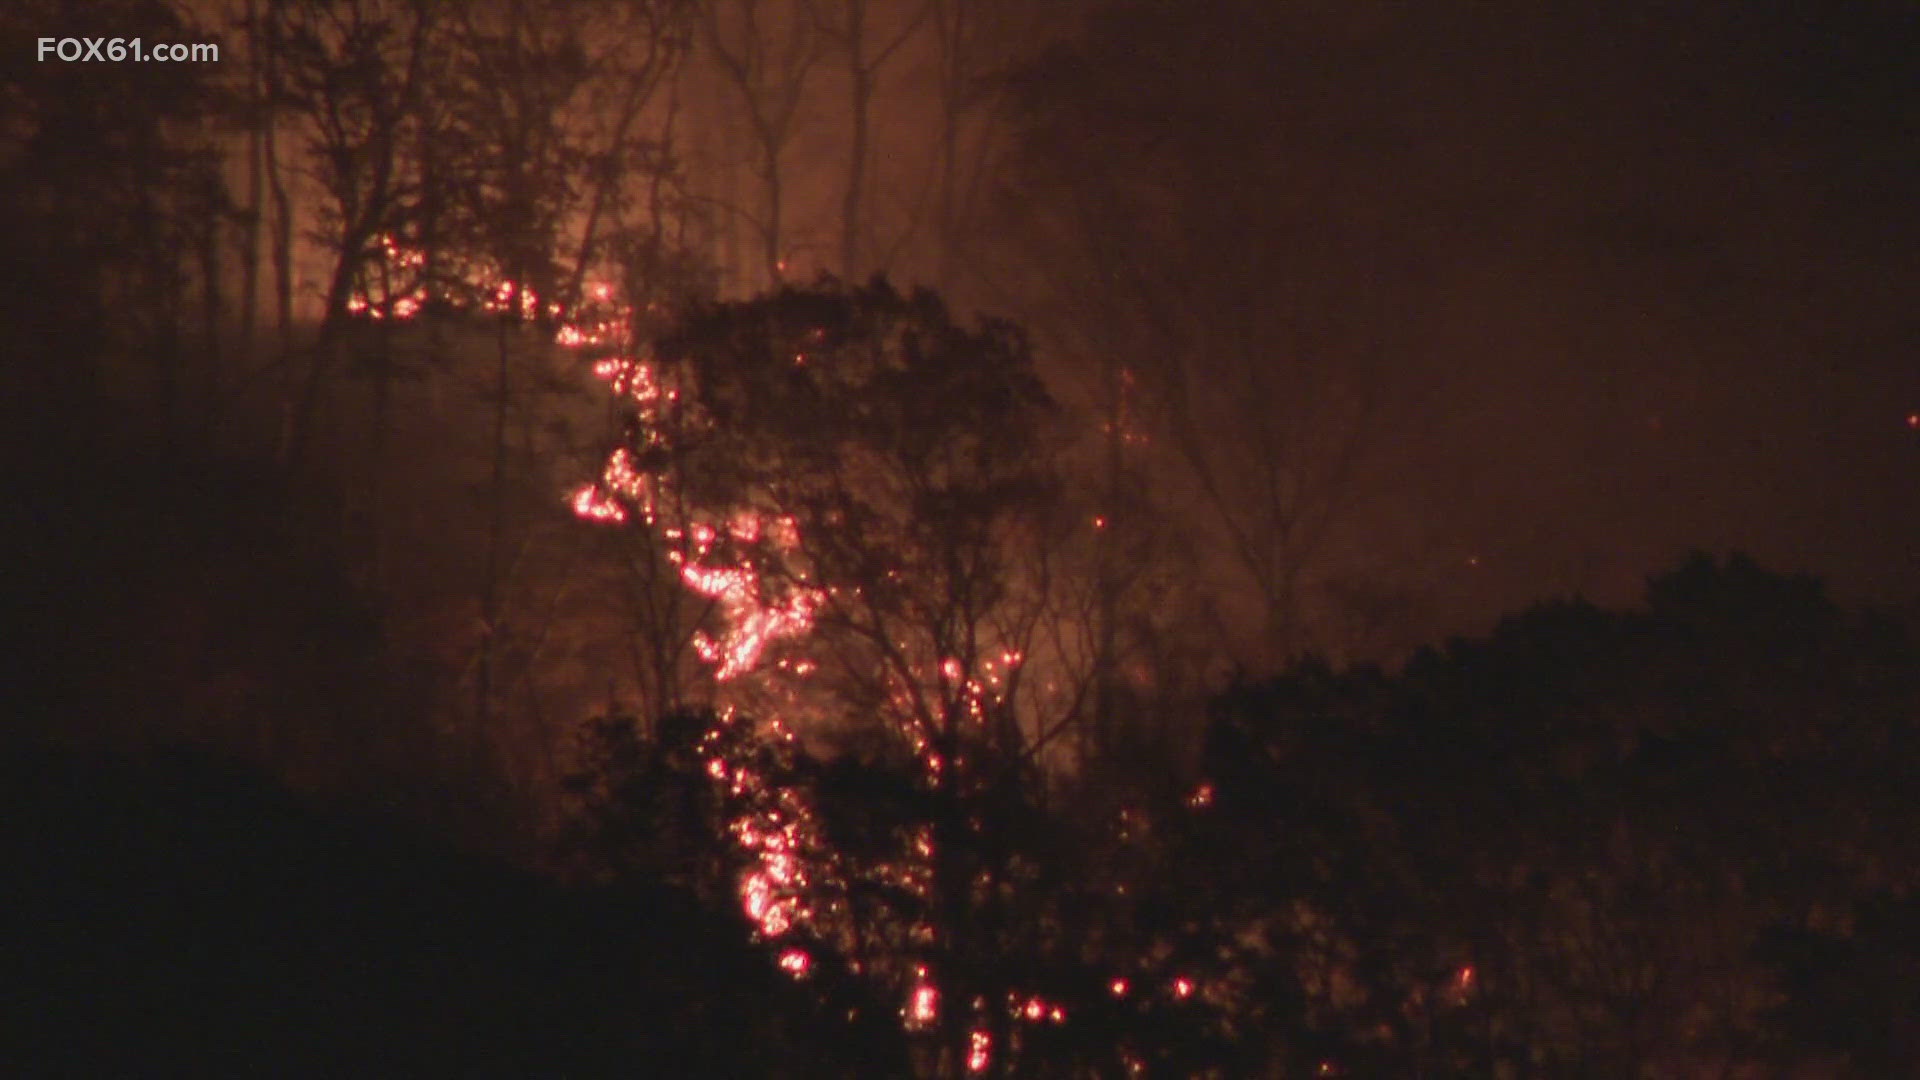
979 1051
590 503
1118 987
1183 988
796 963
759 897
749 562
923 1007
745 527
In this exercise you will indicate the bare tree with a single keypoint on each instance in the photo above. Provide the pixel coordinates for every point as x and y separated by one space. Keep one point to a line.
257 99
765 55
643 47
542 130
1230 316
848 24
978 46
267 218
355 73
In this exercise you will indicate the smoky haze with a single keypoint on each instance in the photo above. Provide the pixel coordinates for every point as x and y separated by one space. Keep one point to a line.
1635 277
1622 281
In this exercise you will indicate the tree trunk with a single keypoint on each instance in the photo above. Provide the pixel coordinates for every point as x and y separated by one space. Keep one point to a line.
496 540
862 94
282 206
210 298
256 183
952 75
304 411
770 238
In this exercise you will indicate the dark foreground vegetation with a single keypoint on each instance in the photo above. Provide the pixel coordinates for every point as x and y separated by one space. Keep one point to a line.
1675 841
169 915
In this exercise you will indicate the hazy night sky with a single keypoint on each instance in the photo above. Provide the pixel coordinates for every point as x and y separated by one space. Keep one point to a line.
1655 267
1664 260
1714 272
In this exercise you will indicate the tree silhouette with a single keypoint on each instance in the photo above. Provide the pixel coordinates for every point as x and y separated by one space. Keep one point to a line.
1570 846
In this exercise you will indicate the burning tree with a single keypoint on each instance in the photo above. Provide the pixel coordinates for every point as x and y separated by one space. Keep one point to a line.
865 491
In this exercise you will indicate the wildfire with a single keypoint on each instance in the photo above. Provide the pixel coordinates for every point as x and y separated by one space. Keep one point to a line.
775 827
727 555
396 288
752 623
1462 984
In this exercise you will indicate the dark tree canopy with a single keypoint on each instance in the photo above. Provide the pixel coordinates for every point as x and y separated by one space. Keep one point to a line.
1583 844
